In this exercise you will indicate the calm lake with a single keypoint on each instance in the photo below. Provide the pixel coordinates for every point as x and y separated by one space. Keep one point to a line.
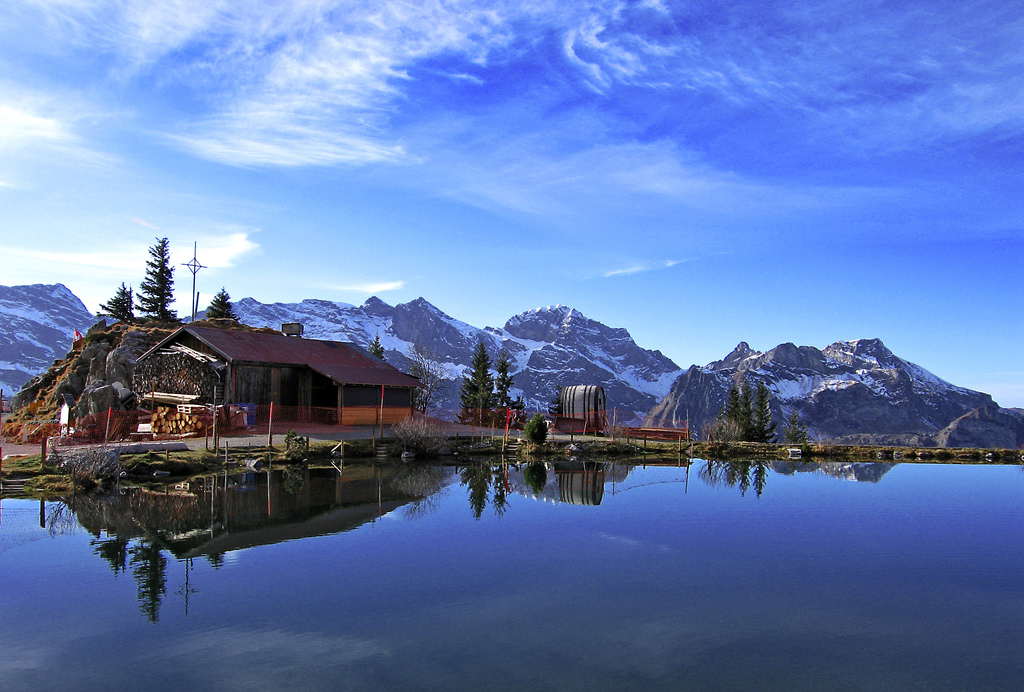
572 576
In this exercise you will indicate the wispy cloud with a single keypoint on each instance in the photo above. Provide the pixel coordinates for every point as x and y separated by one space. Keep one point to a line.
642 267
218 251
145 224
19 126
369 287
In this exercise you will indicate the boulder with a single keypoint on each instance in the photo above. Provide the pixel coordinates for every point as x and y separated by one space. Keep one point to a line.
97 400
120 363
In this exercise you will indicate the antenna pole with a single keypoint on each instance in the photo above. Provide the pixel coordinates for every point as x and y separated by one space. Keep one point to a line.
194 266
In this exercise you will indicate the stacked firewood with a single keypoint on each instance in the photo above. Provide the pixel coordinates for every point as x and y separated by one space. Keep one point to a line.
169 420
180 370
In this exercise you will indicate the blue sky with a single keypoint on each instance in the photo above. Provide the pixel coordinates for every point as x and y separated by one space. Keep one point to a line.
698 172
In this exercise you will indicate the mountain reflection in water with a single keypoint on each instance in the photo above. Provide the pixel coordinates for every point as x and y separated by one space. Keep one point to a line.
207 517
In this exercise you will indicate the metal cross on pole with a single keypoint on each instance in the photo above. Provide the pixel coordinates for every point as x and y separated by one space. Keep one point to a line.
194 266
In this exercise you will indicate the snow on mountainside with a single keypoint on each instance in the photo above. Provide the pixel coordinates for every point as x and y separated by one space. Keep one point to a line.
549 347
853 388
36 324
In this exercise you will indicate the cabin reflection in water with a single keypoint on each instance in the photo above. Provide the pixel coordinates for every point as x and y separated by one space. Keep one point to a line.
216 514
213 515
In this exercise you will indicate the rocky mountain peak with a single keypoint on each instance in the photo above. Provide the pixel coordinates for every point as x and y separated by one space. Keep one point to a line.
36 323
375 306
856 387
544 323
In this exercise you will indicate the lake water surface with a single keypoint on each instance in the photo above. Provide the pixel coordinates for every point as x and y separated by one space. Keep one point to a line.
571 576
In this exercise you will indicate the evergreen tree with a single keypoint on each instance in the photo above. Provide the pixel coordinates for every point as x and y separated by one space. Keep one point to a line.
156 292
745 415
503 382
220 306
121 307
762 428
376 348
794 432
478 386
555 407
731 410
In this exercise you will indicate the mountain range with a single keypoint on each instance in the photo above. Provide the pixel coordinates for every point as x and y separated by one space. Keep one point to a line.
36 327
549 347
851 391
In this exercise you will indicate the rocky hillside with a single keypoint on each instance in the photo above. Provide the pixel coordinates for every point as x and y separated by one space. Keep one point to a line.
850 391
549 347
94 375
36 324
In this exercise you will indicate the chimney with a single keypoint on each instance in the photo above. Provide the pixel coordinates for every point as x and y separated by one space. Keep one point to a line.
291 329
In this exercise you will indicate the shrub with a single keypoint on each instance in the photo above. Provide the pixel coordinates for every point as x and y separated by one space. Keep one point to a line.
87 467
419 435
296 447
536 429
723 430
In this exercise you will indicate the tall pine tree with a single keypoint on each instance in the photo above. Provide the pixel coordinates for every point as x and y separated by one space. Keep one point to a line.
121 306
156 292
376 348
794 432
477 393
762 428
220 306
745 417
503 382
555 407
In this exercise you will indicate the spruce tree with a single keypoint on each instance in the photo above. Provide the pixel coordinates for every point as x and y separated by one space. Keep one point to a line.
745 415
477 392
376 348
555 407
794 432
503 382
731 410
220 306
121 307
156 292
762 429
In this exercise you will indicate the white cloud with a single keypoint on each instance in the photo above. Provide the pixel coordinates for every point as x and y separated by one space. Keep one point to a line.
217 251
635 269
369 287
145 224
641 267
19 126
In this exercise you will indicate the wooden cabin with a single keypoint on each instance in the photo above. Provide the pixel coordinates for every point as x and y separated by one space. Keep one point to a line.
320 381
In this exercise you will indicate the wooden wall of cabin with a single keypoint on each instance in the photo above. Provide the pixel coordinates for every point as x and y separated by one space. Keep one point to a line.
250 384
360 404
264 384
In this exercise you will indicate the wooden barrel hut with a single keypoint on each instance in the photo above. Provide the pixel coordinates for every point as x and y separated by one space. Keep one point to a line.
582 409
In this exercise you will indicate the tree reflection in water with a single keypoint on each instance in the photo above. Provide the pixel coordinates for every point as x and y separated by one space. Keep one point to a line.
743 475
486 481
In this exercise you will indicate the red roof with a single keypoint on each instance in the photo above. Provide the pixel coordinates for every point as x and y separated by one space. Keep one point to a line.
344 363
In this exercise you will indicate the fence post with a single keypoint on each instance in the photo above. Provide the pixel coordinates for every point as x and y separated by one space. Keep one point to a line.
106 433
270 426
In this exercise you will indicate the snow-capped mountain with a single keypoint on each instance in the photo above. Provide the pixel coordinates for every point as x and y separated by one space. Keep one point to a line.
549 347
36 325
858 390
